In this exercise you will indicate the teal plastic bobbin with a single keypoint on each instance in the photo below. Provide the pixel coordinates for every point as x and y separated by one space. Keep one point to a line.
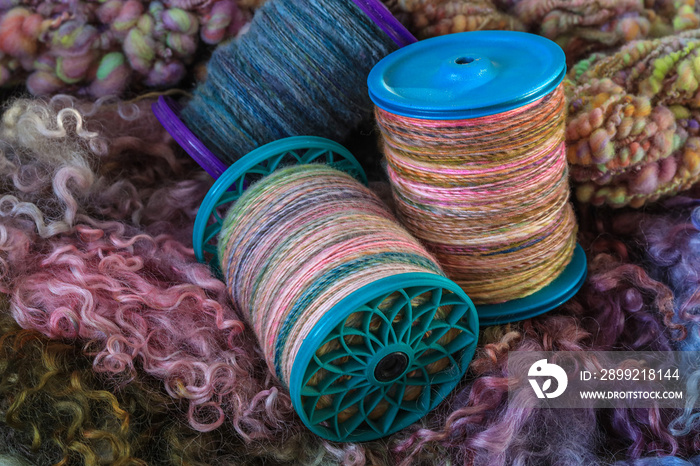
401 344
254 166
471 75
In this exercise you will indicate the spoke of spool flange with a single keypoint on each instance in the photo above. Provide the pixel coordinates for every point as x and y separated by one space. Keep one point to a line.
312 155
437 331
371 341
376 302
424 321
436 298
387 419
385 329
357 352
371 401
400 315
423 380
349 426
226 198
334 385
346 400
368 340
424 396
352 366
322 415
461 341
438 354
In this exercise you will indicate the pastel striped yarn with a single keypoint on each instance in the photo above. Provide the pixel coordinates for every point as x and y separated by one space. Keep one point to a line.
299 241
299 70
488 196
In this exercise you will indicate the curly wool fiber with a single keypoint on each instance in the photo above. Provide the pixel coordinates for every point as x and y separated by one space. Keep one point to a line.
64 412
662 461
632 128
99 48
301 69
117 285
583 26
620 307
672 245
120 279
109 160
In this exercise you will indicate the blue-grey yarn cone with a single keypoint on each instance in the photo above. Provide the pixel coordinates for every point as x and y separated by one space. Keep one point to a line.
301 69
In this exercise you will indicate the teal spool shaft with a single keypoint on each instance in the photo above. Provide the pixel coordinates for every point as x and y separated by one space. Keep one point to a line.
301 69
353 315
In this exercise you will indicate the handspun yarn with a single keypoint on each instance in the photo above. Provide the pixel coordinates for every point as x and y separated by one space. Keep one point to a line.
579 27
583 26
98 49
488 196
429 18
301 69
298 242
633 123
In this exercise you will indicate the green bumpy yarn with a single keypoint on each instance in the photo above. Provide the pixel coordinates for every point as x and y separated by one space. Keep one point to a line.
633 126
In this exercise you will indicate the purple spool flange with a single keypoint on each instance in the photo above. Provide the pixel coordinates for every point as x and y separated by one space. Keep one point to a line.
383 18
167 111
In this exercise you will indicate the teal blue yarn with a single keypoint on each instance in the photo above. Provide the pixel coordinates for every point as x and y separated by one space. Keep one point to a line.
301 69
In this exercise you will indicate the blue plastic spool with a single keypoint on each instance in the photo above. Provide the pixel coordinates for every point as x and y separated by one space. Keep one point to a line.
471 75
400 321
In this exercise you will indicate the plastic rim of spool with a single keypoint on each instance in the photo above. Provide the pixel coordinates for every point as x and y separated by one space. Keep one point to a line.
167 111
563 288
383 357
256 164
382 17
467 75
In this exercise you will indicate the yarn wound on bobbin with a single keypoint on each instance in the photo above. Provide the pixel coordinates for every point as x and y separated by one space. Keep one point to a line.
353 315
291 74
474 142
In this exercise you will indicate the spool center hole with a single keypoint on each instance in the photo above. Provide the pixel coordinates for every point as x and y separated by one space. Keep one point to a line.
391 366
464 60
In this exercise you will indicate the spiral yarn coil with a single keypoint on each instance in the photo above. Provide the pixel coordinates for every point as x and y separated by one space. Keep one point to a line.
291 74
473 134
293 249
303 224
488 196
